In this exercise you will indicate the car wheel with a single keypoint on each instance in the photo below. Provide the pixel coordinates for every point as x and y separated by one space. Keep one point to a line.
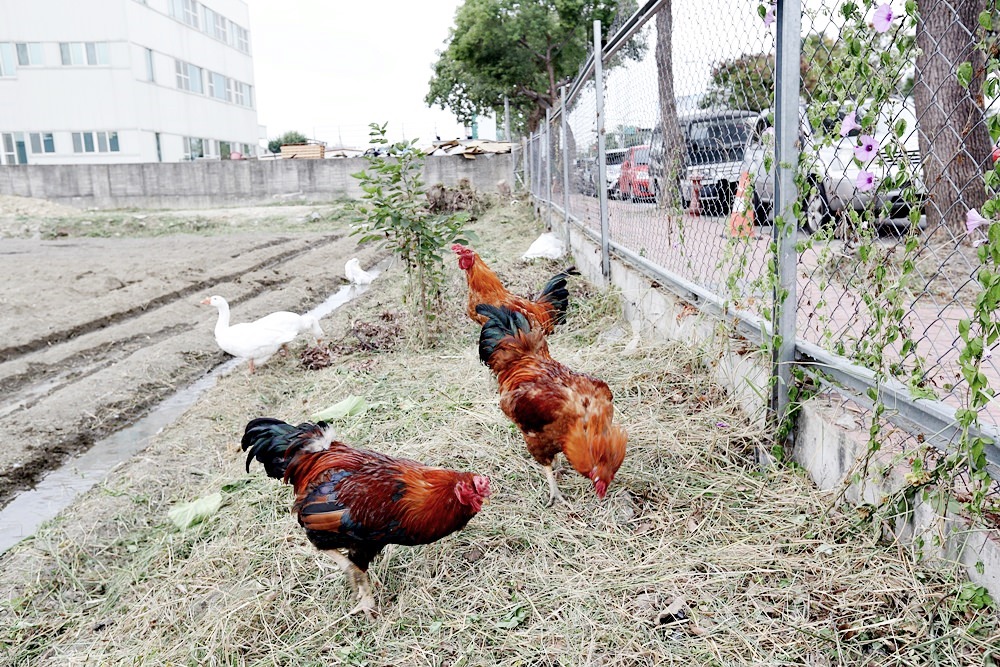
727 194
759 210
816 211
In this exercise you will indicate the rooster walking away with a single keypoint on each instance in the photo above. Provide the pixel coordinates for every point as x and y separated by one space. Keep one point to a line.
359 501
557 409
548 310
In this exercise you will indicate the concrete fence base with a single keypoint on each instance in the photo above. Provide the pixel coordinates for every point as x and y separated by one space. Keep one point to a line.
211 183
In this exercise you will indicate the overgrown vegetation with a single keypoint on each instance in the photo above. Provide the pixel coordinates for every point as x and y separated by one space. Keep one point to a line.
394 210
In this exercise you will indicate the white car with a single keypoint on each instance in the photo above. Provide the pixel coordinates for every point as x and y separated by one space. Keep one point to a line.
834 171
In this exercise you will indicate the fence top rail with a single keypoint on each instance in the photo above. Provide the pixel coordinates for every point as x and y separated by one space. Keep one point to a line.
631 26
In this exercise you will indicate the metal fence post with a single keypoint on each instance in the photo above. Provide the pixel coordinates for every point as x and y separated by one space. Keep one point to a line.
506 136
565 160
548 167
601 162
787 122
525 158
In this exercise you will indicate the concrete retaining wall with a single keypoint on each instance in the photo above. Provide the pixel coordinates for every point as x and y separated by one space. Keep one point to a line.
225 182
829 440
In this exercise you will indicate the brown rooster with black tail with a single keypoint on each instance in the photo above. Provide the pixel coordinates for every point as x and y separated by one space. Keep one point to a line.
557 409
359 501
545 312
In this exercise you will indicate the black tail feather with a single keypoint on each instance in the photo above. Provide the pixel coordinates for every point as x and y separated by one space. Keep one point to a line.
501 322
555 293
274 442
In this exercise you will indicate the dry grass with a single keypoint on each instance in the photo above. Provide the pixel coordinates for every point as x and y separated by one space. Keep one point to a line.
767 575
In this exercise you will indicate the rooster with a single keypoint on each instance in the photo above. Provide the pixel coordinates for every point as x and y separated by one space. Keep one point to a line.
557 409
359 501
485 288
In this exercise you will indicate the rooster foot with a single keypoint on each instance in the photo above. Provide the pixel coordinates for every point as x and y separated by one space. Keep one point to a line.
554 493
557 496
366 605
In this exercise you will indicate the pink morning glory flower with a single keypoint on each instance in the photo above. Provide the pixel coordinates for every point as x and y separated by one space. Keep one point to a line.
979 242
974 221
722 425
770 16
882 20
868 148
865 181
849 124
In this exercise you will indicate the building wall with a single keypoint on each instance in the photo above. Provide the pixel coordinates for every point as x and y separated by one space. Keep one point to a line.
126 95
226 182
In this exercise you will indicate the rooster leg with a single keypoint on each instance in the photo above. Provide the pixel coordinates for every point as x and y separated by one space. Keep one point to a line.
358 580
554 494
366 602
251 365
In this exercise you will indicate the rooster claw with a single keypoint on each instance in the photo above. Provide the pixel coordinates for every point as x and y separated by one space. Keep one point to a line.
366 605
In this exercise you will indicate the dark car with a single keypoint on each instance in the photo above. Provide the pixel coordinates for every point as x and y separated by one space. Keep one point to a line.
715 143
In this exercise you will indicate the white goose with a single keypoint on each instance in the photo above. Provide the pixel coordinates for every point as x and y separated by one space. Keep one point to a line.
356 275
256 341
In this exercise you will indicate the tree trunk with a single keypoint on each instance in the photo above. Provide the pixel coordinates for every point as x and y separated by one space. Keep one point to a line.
954 141
668 174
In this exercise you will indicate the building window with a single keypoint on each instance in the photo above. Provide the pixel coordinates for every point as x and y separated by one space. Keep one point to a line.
15 150
187 11
7 59
194 148
90 142
84 53
241 38
189 77
216 25
42 142
218 87
29 53
240 93
150 71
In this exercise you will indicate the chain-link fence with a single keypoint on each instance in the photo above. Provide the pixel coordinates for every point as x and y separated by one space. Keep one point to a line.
838 155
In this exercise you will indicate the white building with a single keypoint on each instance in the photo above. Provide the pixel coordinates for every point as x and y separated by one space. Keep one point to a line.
125 81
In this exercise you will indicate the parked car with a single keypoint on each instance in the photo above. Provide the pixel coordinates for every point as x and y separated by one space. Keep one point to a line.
715 145
633 181
833 171
613 170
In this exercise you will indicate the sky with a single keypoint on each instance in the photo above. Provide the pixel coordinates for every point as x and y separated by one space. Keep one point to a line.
328 68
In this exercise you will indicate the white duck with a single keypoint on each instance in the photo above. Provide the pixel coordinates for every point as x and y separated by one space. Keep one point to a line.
256 341
356 274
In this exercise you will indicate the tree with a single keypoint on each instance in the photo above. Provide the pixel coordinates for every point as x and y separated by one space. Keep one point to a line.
667 181
522 49
954 139
394 210
747 82
288 138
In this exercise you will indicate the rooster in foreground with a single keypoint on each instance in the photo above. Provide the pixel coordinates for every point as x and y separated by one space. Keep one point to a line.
485 288
557 409
360 501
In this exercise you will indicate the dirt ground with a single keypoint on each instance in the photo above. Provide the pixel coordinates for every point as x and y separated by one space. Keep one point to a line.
102 316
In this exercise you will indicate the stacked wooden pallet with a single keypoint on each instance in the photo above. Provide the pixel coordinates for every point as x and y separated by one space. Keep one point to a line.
303 151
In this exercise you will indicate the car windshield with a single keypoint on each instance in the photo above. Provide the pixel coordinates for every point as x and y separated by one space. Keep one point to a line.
615 157
641 156
716 140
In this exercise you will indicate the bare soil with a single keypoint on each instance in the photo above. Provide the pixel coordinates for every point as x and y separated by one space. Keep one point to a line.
98 326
